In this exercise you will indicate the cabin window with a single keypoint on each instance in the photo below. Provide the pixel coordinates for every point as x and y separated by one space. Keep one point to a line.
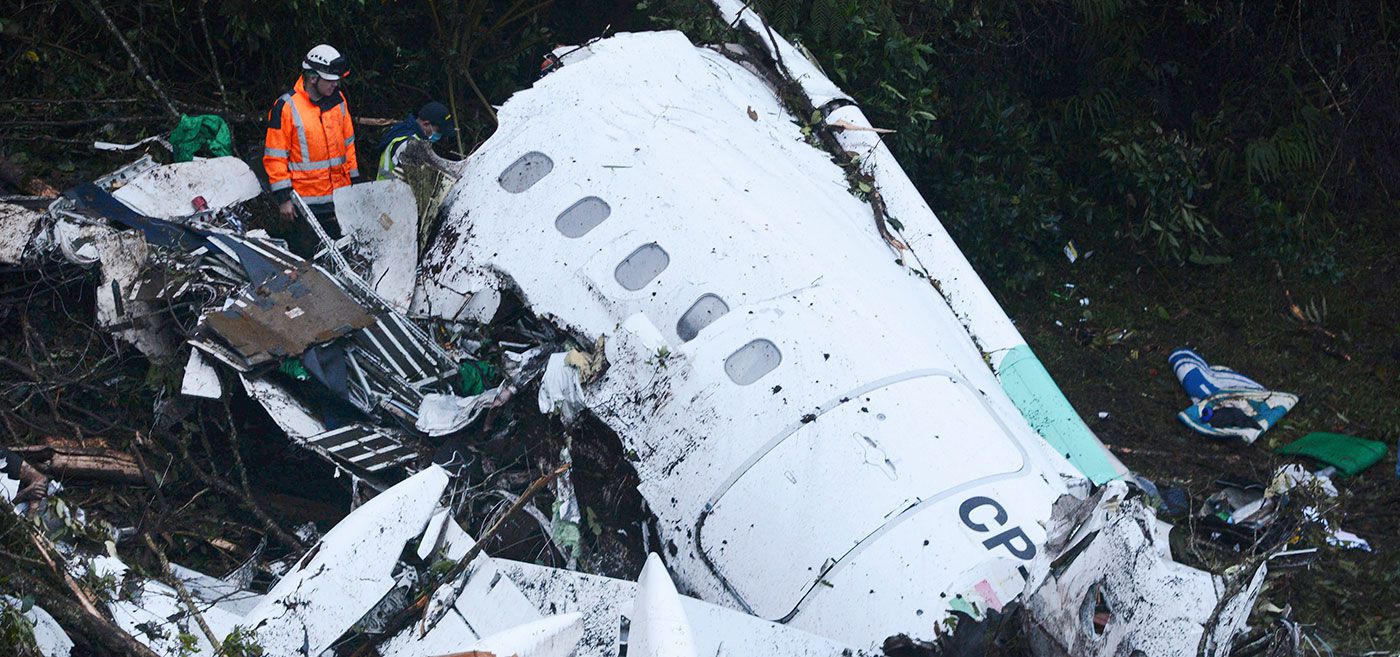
752 361
582 217
702 313
640 268
525 172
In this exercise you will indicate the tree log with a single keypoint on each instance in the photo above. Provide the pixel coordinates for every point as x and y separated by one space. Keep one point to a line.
97 463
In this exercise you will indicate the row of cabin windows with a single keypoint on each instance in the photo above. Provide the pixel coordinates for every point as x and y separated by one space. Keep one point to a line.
747 364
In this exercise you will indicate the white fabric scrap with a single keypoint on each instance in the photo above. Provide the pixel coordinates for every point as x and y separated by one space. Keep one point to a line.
440 415
560 390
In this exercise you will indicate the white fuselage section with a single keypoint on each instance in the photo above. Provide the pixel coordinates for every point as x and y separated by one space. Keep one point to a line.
820 439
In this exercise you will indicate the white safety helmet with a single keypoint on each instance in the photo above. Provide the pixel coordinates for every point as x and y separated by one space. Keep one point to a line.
326 62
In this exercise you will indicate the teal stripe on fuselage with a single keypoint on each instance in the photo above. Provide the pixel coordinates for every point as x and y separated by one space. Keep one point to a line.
1040 400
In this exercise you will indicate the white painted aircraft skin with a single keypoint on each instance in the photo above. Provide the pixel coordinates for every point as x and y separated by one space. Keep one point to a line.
855 490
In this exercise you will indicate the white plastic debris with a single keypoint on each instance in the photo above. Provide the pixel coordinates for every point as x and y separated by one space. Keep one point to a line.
201 379
77 242
49 637
1105 585
168 191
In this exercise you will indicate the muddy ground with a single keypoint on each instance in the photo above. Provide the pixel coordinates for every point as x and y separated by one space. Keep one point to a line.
1238 315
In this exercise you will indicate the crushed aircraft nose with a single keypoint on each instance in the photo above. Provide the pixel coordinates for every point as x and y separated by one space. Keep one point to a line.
1105 585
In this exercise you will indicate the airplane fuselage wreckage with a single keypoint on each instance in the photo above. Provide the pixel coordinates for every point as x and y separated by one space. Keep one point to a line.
841 436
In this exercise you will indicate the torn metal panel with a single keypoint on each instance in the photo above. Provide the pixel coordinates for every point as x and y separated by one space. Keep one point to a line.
1105 586
266 324
200 378
409 355
75 241
381 219
552 636
17 228
168 191
291 416
490 603
123 257
159 232
345 575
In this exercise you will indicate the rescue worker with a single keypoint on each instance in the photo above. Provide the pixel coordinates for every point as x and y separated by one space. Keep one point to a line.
310 143
432 123
27 484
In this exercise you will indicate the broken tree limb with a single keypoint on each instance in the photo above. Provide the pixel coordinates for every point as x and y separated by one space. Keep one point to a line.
217 483
96 463
406 617
847 125
112 27
184 594
82 618
458 575
78 622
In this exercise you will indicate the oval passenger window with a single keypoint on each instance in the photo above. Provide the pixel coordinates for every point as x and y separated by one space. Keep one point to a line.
523 173
751 361
642 266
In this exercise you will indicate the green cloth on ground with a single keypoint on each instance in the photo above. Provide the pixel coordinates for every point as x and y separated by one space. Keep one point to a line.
1348 454
292 367
475 376
204 131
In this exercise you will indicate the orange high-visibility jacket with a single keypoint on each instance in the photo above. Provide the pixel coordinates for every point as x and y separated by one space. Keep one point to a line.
310 146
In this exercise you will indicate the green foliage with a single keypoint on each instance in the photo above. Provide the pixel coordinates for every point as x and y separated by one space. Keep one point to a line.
241 642
1161 182
16 632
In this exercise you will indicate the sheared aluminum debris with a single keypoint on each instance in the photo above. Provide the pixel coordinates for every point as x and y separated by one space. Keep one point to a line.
180 262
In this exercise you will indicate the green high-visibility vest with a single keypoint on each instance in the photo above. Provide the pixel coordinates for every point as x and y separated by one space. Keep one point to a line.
386 159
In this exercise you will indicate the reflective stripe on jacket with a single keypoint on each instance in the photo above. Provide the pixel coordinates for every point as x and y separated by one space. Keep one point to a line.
310 147
389 159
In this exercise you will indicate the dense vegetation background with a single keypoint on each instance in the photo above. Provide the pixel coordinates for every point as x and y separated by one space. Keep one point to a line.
1211 156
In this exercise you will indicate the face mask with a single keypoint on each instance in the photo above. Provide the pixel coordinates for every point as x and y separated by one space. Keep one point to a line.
435 136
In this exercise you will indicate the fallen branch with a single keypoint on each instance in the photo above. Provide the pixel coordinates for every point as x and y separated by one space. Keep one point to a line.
82 618
248 503
405 617
457 576
180 590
